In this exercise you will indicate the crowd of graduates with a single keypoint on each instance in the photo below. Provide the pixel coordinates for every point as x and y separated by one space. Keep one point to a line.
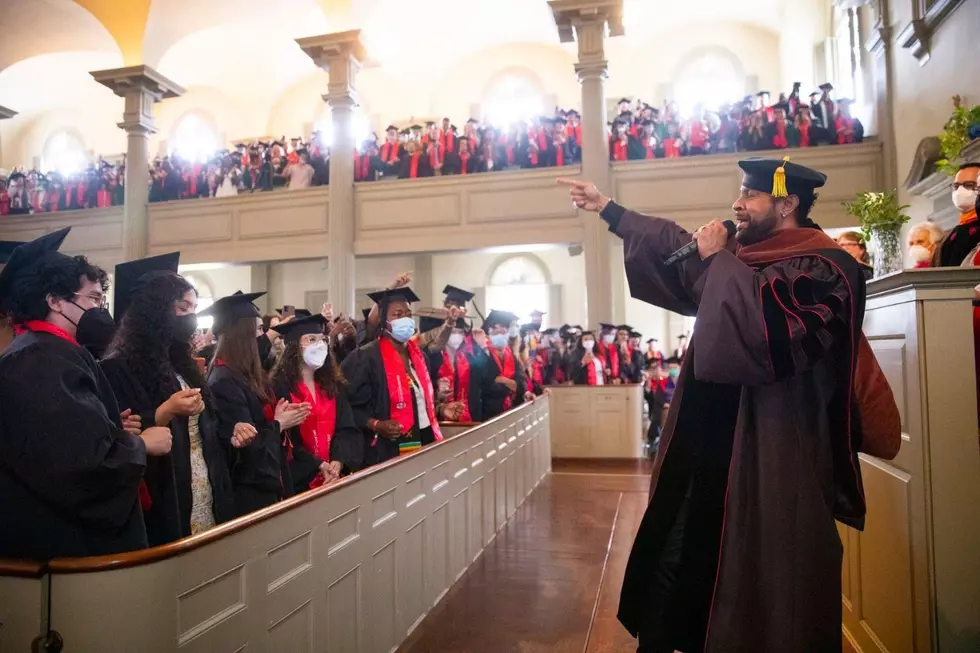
641 131
177 429
99 185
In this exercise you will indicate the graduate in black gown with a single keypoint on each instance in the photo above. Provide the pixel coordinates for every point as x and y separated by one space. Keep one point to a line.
459 372
69 472
151 371
250 421
388 383
326 445
509 387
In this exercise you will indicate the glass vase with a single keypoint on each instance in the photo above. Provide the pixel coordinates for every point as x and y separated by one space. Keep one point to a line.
887 245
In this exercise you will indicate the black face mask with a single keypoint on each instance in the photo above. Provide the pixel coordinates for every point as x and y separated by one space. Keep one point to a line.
95 330
184 327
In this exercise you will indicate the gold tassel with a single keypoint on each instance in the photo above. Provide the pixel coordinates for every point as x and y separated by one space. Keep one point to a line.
779 180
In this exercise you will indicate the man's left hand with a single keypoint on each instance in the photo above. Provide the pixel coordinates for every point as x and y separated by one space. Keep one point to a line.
711 238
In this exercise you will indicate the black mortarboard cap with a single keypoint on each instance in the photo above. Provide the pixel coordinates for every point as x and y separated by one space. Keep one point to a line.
365 312
549 332
607 327
430 123
498 317
651 340
416 126
814 93
826 86
302 312
7 248
405 294
625 99
405 132
761 93
233 307
780 178
390 128
128 276
529 327
26 254
472 121
295 329
623 327
635 334
458 295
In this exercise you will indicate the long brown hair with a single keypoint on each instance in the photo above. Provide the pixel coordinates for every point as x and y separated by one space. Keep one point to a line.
238 350
287 374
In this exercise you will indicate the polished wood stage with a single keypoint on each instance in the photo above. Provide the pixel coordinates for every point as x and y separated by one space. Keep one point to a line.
550 581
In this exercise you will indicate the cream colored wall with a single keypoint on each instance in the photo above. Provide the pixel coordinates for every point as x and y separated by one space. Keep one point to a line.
221 281
289 281
922 93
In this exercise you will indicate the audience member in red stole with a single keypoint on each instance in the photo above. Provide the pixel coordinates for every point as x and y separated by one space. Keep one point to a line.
618 142
779 129
4 198
697 134
849 130
644 144
802 124
390 152
673 144
413 164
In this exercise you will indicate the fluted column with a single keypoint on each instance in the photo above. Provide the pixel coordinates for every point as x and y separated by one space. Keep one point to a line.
586 22
141 87
341 55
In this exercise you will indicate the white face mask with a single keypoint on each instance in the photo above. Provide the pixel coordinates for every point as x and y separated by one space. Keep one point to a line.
315 355
964 199
588 344
455 340
513 332
919 254
608 338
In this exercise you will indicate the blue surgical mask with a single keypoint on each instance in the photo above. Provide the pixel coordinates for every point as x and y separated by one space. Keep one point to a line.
402 329
499 341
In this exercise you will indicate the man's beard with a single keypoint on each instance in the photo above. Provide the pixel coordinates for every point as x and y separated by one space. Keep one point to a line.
758 231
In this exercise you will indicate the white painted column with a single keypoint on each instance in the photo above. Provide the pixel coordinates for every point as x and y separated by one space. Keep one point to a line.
586 23
141 87
341 55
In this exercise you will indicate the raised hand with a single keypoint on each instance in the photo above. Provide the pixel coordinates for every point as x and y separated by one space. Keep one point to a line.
585 195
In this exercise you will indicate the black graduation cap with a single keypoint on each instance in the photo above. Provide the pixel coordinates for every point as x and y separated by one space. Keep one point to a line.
457 295
233 307
651 340
549 332
391 128
416 127
405 132
427 323
495 318
606 327
129 275
826 86
635 334
405 294
622 100
301 313
780 178
624 327
430 123
797 85
761 93
648 122
472 121
683 336
295 329
814 93
529 327
7 248
365 312
26 254
781 105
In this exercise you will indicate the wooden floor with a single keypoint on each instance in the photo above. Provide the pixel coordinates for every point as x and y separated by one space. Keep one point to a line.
550 580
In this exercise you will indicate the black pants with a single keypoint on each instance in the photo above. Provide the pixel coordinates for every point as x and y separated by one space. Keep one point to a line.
656 637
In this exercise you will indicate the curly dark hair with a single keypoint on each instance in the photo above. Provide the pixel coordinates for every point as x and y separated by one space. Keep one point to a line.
52 274
145 338
286 374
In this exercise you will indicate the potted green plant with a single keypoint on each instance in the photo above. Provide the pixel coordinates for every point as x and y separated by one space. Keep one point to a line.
881 218
962 127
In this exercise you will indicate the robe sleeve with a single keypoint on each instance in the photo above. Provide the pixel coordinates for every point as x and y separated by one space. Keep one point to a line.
127 392
647 241
360 389
347 445
94 474
760 327
881 423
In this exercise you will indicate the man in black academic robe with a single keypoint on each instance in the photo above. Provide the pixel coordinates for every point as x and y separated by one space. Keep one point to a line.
69 473
502 396
738 549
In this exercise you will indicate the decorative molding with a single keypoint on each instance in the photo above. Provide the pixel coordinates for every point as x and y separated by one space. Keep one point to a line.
573 18
141 87
927 16
924 161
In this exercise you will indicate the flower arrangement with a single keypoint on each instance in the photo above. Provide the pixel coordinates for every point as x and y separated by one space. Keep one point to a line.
959 130
881 218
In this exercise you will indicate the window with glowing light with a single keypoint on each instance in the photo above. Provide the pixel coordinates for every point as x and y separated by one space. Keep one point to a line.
194 138
711 80
360 126
514 98
64 152
519 285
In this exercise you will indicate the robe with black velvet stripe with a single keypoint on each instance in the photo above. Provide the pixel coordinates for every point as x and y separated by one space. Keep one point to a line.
738 551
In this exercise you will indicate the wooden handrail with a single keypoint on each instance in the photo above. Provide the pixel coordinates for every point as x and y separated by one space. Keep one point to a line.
187 544
22 568
467 425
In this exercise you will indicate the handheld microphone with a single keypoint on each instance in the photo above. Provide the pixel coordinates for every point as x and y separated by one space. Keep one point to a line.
692 247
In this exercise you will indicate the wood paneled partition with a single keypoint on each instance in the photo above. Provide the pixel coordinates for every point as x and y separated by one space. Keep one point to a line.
349 568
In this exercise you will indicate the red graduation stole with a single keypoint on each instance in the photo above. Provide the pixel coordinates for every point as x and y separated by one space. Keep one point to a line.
459 380
804 128
389 152
610 357
400 397
413 170
317 431
559 154
507 368
448 141
650 152
618 149
779 140
80 194
464 158
672 148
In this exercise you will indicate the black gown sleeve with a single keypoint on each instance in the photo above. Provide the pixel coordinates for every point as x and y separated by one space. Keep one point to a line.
347 445
360 388
93 475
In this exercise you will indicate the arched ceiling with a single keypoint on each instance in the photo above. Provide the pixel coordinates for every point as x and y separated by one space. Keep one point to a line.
29 28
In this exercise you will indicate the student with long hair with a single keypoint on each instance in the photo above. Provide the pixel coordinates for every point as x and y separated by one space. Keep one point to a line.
259 469
389 385
585 367
326 445
152 373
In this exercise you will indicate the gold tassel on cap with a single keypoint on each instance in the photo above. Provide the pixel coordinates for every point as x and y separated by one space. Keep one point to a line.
779 180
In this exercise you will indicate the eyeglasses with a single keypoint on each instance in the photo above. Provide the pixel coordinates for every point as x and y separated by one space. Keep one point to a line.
101 301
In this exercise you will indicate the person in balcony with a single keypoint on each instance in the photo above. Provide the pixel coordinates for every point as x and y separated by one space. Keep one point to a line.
461 162
152 373
391 152
300 174
509 387
413 164
618 141
63 496
607 352
249 421
389 386
326 445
